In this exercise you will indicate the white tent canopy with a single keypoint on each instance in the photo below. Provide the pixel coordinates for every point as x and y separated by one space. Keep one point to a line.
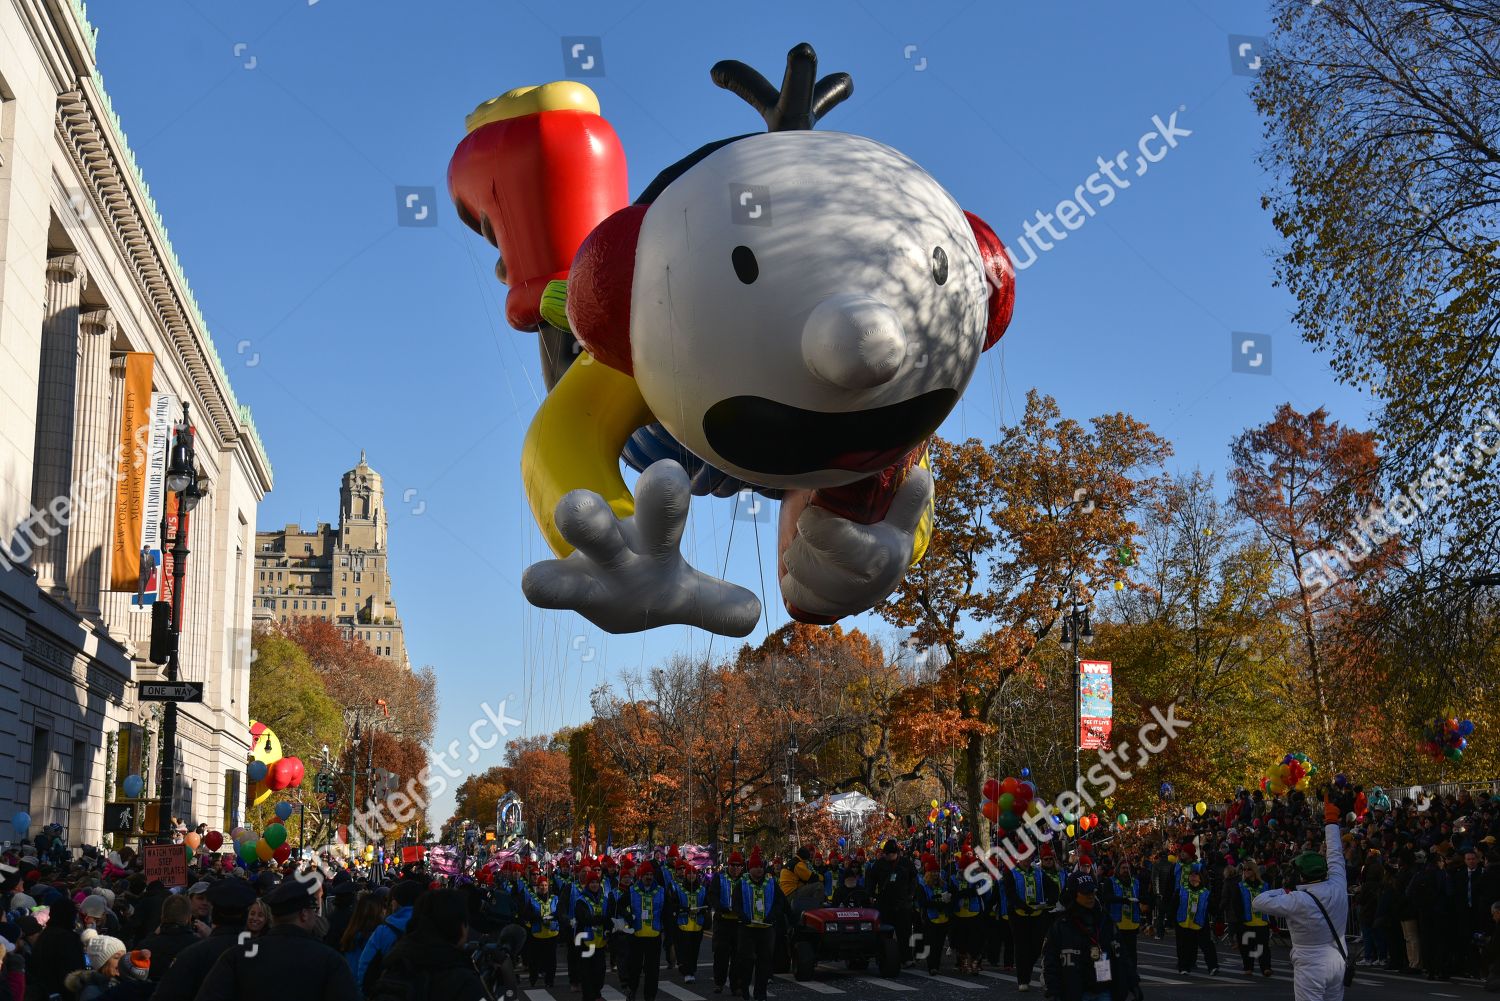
850 809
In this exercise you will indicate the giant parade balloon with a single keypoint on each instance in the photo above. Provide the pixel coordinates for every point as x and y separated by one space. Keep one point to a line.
265 748
790 313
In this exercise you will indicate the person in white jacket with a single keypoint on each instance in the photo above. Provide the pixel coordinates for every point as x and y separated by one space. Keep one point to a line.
1317 961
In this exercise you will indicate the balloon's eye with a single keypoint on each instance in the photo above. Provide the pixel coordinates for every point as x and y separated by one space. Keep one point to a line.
745 266
939 265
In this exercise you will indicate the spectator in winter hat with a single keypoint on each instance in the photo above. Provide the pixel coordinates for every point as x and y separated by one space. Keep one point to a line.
104 953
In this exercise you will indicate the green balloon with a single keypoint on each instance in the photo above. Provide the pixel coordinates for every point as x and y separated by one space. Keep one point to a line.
1124 819
246 852
275 835
1453 753
1010 821
1007 801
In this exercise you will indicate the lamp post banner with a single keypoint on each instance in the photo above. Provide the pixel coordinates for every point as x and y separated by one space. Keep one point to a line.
153 502
130 480
1096 703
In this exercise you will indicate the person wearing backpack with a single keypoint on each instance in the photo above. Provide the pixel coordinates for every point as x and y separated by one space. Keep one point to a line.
428 961
403 896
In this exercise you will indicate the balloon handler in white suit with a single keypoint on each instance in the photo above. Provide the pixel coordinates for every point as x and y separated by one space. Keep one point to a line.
1317 960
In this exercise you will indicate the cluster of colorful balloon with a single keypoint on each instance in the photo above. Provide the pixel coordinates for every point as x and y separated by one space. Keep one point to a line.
1006 802
944 811
1084 823
1291 773
1447 738
252 848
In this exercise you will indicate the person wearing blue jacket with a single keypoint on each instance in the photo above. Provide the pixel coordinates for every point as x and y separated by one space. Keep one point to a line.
403 897
761 909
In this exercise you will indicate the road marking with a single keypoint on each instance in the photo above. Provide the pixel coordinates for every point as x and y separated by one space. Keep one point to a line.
680 993
539 995
610 994
889 985
967 985
816 986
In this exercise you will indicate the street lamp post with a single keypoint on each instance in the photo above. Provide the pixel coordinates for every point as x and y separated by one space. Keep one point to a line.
353 780
791 778
1077 629
183 480
734 787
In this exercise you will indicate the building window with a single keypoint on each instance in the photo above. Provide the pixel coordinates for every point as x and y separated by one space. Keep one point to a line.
343 592
41 781
356 578
324 607
78 794
343 607
283 603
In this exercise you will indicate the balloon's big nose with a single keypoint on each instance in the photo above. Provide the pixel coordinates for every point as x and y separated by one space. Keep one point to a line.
853 341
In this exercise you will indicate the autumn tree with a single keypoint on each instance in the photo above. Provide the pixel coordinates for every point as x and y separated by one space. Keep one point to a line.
585 782
1309 487
288 695
356 677
1199 627
1038 516
1382 123
536 769
644 768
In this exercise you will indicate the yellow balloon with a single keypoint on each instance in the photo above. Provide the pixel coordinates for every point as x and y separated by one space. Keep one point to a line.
264 746
934 804
1070 830
263 850
1201 807
369 851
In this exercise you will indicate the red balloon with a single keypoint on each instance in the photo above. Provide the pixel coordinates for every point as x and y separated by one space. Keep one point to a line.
991 789
541 182
280 775
297 772
1022 795
282 853
990 809
213 840
1010 785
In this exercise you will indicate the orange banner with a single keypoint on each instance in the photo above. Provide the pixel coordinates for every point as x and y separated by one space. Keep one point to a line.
130 487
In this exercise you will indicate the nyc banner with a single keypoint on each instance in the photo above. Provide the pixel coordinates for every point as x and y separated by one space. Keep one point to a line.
1096 704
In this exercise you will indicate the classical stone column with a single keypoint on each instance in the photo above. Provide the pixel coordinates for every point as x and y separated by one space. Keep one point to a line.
52 462
95 431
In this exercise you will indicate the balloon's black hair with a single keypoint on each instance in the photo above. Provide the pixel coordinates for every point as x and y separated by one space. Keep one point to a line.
797 105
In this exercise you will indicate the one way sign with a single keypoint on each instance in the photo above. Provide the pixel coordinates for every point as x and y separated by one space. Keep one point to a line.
171 691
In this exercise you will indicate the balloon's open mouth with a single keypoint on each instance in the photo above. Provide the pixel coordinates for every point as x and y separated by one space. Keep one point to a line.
761 435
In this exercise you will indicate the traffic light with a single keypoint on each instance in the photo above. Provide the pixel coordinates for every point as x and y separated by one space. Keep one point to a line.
161 632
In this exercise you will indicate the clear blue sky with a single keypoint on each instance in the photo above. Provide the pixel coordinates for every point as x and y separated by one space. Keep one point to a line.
275 167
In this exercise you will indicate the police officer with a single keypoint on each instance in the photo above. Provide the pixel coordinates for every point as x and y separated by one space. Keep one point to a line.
1081 960
289 962
229 900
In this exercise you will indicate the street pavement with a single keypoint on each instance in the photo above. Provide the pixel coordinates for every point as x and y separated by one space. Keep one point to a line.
1158 962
